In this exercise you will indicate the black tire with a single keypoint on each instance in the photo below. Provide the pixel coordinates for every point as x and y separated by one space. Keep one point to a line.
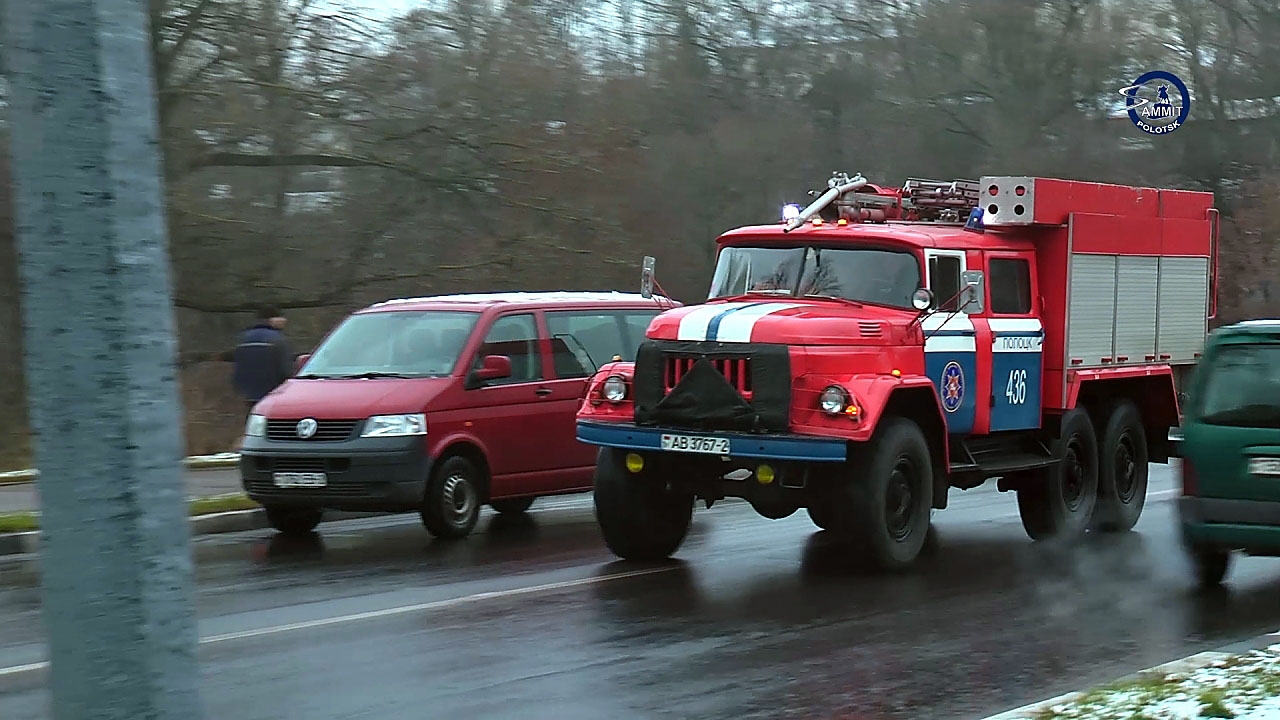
293 520
822 516
1122 470
1059 502
512 506
892 496
1210 565
451 504
639 518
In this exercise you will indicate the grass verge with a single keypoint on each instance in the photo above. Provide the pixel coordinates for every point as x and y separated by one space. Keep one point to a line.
28 521
1235 687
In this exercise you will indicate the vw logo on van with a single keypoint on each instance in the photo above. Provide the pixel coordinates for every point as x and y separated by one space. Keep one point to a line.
307 427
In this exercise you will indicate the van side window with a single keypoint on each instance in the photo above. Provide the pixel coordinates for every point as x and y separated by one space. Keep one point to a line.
515 336
583 340
944 280
1010 284
636 324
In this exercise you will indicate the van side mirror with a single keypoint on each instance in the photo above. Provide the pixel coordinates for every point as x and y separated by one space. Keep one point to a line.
973 293
300 362
647 269
493 367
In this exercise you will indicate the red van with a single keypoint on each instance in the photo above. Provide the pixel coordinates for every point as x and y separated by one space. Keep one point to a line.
439 405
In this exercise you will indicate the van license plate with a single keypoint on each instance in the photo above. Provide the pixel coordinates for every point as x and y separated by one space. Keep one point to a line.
695 444
300 479
1264 466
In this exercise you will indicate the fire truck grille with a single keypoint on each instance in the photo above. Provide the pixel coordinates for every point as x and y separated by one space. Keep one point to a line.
737 371
713 386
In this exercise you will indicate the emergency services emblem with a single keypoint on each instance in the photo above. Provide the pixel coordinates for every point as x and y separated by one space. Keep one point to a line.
306 428
952 387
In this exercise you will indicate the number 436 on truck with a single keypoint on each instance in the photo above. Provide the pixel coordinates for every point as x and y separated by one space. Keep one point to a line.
885 344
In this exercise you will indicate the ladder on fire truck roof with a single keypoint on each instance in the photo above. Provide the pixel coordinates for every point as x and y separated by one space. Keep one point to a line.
940 200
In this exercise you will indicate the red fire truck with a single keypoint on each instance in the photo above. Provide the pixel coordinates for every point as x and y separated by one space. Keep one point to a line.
883 345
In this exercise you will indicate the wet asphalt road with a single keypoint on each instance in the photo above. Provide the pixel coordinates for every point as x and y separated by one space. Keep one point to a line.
756 618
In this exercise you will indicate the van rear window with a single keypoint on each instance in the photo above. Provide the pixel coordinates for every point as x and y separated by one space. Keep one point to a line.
1241 387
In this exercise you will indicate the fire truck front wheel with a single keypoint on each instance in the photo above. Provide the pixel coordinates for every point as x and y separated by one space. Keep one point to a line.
893 495
1058 502
639 517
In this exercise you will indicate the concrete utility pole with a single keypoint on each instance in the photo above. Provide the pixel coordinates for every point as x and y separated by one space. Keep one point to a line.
100 367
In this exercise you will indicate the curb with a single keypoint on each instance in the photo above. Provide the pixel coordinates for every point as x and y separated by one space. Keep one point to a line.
198 462
1186 664
212 524
224 522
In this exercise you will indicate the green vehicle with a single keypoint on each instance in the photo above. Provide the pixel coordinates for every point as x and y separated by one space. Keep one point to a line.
1231 449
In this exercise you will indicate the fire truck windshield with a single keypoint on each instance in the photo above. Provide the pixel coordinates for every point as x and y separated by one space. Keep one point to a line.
871 275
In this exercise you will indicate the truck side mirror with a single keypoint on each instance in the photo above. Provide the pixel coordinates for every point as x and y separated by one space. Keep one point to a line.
300 362
973 291
922 299
646 277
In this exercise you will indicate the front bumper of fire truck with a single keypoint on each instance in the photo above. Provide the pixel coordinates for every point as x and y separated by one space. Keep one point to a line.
800 448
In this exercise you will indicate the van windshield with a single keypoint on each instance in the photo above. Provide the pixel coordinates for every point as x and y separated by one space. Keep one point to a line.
872 275
392 344
1242 387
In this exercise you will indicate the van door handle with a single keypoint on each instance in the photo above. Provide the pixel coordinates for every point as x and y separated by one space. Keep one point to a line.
542 391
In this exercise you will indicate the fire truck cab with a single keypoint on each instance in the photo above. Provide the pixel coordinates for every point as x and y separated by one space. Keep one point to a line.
883 345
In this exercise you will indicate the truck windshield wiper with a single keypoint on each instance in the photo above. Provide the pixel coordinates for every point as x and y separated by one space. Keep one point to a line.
311 376
836 298
372 375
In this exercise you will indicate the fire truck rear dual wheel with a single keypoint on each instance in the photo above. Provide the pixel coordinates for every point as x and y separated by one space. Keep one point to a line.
892 495
639 518
1059 502
1122 470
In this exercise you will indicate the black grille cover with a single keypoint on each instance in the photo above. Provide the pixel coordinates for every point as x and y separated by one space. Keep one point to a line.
703 399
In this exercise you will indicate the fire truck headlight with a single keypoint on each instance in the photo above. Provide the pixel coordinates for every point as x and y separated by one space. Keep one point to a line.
834 400
614 389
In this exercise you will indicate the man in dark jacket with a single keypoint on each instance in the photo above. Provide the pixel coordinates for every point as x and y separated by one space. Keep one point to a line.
263 359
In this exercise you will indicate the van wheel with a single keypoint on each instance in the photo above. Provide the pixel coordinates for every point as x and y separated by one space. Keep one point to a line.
451 504
893 498
1211 565
513 506
293 520
638 516
1122 470
1059 502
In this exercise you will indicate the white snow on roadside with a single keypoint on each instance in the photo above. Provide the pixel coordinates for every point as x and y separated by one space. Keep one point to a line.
1244 687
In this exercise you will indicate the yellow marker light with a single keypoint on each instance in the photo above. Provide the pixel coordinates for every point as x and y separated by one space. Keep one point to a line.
852 411
896 372
635 463
817 221
842 222
764 474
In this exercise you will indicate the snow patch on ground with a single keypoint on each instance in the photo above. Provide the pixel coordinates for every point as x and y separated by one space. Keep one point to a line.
1244 687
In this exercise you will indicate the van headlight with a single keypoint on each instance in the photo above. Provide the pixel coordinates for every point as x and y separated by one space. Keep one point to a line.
834 400
256 426
614 389
395 425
